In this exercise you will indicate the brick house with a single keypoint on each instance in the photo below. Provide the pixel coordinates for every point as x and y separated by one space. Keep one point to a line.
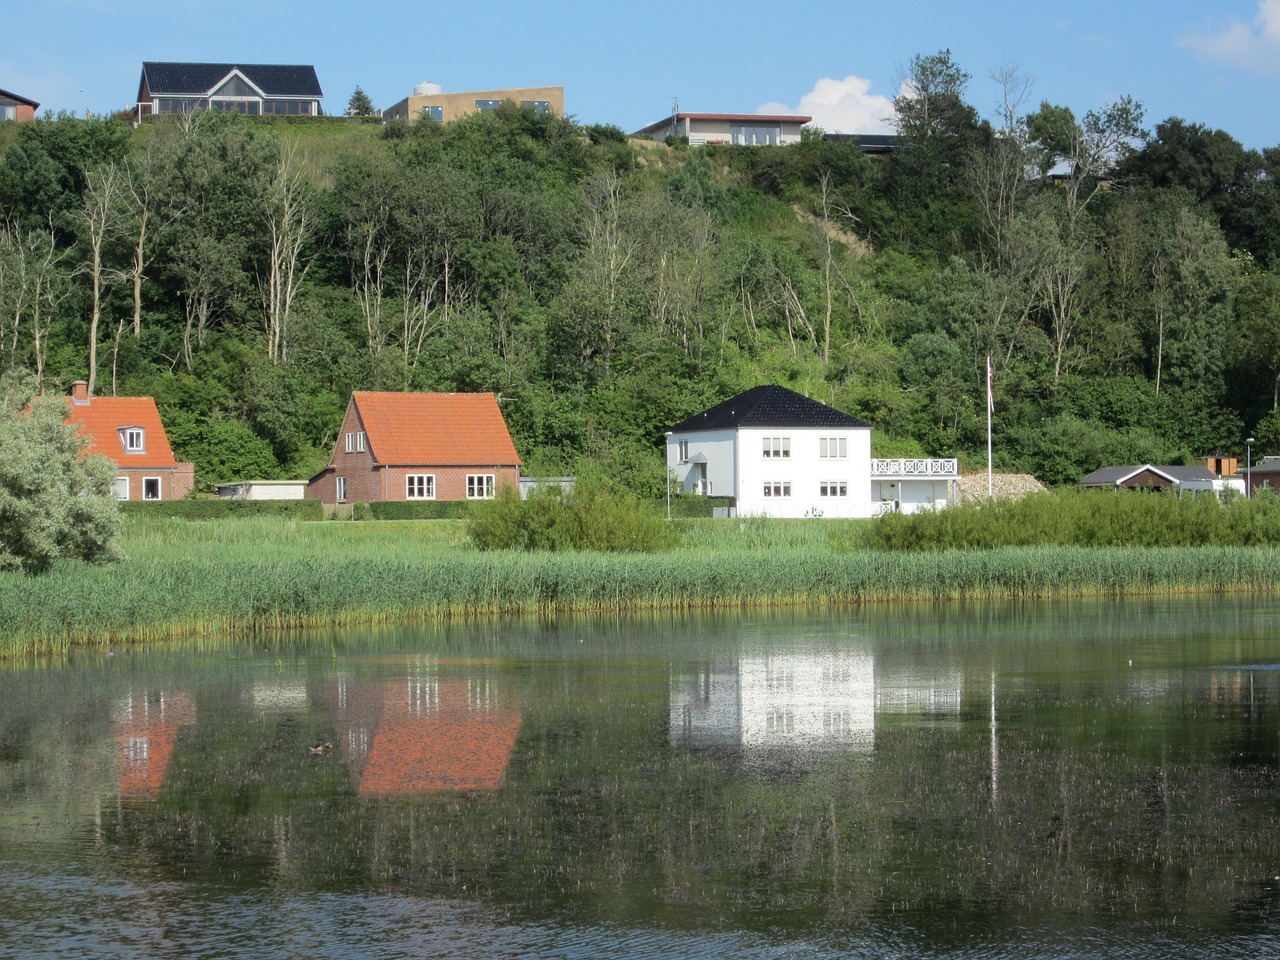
128 431
14 107
418 446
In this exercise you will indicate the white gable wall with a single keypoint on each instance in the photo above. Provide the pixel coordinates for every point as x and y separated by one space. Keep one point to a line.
805 470
717 446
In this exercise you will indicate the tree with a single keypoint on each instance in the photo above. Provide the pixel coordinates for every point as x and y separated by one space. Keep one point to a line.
54 501
360 105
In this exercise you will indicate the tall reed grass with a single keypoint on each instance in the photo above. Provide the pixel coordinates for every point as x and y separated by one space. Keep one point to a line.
243 578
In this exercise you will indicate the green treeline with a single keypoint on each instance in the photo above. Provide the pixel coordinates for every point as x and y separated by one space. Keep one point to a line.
250 276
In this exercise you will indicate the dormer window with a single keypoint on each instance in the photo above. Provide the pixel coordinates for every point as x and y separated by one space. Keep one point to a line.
134 439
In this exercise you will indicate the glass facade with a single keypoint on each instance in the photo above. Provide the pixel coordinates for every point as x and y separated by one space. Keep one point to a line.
435 113
755 136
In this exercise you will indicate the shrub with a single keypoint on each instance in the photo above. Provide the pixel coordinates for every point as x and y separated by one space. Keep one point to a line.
418 510
204 509
593 516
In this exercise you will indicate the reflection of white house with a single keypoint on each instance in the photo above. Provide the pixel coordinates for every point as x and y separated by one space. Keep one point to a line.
812 702
775 453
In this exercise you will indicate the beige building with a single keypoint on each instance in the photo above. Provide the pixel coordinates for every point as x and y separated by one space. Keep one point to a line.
739 129
430 100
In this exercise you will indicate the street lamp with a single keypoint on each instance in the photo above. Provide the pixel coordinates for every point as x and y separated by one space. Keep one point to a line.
1248 467
666 458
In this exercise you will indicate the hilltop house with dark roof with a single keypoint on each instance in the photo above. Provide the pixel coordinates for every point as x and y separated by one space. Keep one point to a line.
773 452
255 89
128 431
418 446
14 107
739 129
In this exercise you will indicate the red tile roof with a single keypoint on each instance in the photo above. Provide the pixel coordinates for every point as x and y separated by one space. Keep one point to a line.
437 429
101 419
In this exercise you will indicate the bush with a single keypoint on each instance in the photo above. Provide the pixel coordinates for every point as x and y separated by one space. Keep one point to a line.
418 510
593 516
202 509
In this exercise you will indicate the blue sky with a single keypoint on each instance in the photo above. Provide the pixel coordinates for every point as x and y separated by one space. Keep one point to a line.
1212 63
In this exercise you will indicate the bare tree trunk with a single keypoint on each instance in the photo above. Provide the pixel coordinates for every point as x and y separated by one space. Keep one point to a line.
290 227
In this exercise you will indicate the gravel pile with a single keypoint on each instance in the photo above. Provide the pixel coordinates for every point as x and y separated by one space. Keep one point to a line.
973 486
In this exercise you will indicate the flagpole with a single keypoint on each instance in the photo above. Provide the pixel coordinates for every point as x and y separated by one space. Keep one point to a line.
991 406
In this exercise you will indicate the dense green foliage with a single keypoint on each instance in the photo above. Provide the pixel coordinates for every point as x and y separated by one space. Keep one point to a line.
250 275
240 578
54 502
223 509
593 515
1079 518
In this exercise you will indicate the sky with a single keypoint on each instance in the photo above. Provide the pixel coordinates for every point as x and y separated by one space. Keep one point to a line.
1216 64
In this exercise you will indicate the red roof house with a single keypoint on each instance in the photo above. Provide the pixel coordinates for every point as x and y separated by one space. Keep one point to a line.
128 431
418 446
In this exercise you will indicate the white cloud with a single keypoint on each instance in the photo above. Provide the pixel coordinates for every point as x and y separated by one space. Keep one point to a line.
1254 46
842 106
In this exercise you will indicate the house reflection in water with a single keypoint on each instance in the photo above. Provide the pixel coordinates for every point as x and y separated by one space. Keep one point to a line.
146 728
810 702
423 733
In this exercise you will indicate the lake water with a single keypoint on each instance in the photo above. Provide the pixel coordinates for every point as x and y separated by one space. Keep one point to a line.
1076 779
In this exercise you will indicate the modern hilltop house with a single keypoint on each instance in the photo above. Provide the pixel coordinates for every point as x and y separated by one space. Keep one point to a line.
14 107
738 129
775 453
255 89
128 431
418 446
430 100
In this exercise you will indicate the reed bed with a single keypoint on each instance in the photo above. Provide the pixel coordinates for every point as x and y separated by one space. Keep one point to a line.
247 578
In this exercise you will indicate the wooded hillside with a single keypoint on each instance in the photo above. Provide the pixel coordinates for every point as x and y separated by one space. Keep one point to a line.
250 275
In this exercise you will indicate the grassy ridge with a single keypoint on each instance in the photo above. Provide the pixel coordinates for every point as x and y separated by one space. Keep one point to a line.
238 577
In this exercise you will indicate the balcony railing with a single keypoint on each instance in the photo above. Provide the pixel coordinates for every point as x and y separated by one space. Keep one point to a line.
702 488
916 467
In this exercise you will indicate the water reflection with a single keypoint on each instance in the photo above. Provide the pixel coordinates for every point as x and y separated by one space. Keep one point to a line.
1026 782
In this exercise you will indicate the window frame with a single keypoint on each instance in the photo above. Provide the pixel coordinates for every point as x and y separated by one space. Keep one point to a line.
117 489
481 486
777 489
682 451
426 482
128 436
776 448
833 489
155 483
839 444
340 489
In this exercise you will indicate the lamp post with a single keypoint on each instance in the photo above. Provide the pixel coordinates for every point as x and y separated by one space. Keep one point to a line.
666 457
1248 467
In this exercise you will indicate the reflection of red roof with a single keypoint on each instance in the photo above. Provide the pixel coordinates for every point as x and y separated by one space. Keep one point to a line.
431 734
102 418
451 751
147 731
440 429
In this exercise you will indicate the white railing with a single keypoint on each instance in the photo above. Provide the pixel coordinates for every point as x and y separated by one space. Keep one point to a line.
702 488
879 509
915 467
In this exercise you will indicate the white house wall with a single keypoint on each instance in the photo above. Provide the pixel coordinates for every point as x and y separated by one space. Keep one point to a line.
717 447
804 470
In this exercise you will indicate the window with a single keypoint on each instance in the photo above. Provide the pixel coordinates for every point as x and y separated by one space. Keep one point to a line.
435 113
150 488
833 488
8 112
488 104
342 489
777 488
777 448
683 451
121 488
420 486
355 442
480 486
537 106
134 439
833 448
755 136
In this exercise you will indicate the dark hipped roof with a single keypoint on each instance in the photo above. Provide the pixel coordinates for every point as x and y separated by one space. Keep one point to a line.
768 406
1111 476
166 79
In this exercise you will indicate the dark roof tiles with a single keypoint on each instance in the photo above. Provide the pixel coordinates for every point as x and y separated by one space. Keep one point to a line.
769 406
197 79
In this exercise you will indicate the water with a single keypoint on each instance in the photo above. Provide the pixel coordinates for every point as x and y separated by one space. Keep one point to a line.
965 781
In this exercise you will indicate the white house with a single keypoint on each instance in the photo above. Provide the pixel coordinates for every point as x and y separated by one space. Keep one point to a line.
773 452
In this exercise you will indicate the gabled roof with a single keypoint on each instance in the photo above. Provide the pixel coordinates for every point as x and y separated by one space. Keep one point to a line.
769 406
437 429
166 79
1114 476
6 95
102 418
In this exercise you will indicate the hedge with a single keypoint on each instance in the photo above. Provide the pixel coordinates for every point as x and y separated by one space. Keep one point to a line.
202 509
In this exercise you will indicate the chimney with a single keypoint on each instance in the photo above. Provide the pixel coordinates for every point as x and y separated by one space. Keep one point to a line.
80 393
